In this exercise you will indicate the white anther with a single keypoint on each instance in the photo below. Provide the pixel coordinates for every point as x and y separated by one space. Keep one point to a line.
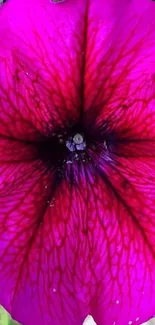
70 145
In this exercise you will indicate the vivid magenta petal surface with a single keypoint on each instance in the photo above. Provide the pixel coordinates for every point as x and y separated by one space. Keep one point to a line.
77 228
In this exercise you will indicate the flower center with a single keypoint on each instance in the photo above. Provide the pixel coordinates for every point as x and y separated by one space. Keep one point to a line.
76 142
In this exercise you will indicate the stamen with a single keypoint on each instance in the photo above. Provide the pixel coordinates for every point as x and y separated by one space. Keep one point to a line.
70 145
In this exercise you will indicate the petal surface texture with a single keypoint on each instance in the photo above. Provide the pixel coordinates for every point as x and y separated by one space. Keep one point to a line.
77 221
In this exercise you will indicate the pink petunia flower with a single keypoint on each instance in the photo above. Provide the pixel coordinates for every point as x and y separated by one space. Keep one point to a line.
77 161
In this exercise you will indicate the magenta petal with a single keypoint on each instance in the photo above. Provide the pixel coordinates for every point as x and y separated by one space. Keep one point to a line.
120 67
61 256
39 268
77 227
41 67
